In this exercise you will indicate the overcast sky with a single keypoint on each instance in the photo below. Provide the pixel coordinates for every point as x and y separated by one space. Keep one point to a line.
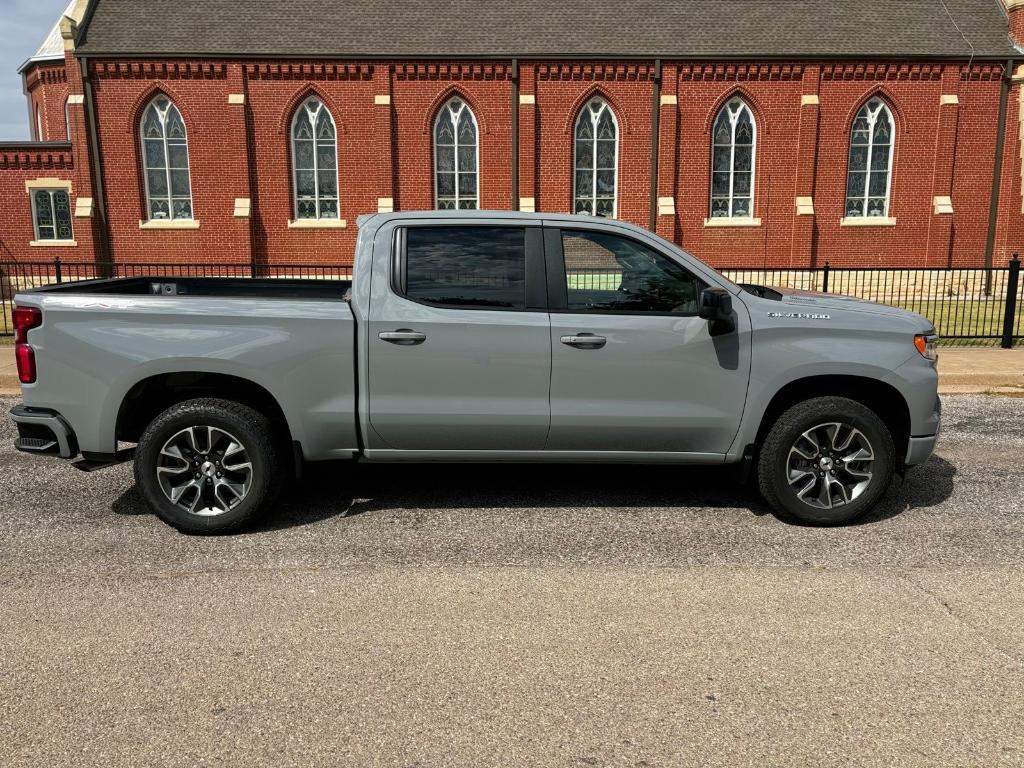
24 24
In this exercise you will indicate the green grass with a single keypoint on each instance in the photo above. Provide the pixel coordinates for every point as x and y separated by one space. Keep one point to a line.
982 317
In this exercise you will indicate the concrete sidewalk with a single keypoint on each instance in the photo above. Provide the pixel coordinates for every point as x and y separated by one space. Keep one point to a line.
961 371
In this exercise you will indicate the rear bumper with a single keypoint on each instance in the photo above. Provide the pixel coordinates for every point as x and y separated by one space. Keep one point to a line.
43 432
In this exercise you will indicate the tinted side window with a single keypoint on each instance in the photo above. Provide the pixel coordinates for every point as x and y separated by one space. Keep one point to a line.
467 266
607 273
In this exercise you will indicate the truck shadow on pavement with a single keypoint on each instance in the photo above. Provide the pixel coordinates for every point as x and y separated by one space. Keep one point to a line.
371 488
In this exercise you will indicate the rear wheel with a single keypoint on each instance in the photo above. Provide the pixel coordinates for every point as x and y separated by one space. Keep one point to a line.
208 465
826 461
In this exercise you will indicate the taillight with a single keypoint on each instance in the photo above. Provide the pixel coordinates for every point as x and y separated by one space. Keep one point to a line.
25 319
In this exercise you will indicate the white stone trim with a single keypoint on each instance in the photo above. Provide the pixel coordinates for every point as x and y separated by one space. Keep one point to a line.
948 98
527 205
243 207
385 205
382 99
170 224
731 221
867 221
943 204
668 99
810 100
804 206
53 243
317 223
527 98
76 98
83 208
666 206
48 182
236 98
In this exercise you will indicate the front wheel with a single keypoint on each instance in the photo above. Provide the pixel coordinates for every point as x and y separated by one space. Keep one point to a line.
208 465
826 461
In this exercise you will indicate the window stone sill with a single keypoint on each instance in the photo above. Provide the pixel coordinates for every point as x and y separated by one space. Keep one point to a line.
317 223
732 221
868 221
170 224
53 243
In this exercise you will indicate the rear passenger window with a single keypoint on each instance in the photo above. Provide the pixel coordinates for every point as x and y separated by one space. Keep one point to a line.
472 267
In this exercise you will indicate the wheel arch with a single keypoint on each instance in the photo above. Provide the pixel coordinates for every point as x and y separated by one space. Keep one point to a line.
882 398
149 397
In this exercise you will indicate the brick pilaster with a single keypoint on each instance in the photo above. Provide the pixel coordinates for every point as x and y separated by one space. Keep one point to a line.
668 155
940 224
801 251
387 182
528 136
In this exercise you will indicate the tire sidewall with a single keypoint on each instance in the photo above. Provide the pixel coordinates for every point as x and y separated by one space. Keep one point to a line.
191 414
824 411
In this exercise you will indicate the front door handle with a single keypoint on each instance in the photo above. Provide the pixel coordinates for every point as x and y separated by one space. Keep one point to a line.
584 341
403 337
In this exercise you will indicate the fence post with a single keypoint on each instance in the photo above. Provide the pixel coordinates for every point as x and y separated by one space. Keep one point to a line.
56 268
1011 301
824 279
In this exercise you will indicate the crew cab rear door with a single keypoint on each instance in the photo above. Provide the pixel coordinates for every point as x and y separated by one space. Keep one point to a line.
633 366
459 343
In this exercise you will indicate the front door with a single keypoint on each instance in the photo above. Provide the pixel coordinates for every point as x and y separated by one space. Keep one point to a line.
459 340
633 366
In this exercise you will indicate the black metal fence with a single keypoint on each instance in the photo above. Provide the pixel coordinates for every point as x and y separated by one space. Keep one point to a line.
967 305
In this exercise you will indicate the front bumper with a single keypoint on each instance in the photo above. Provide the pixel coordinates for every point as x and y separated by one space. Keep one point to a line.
920 449
44 432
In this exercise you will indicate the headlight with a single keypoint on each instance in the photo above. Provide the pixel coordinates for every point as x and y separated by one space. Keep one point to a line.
928 346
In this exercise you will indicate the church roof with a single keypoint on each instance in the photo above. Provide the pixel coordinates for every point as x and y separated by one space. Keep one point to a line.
52 47
593 29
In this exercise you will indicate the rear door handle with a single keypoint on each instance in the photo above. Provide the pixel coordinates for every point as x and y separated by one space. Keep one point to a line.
584 341
403 337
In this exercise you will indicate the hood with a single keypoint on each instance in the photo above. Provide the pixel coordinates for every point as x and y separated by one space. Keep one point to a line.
794 300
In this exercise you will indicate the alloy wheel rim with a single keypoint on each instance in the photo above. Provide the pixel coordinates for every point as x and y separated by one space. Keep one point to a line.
204 470
830 465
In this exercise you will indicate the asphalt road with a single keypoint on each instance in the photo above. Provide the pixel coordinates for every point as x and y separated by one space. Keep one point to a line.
521 616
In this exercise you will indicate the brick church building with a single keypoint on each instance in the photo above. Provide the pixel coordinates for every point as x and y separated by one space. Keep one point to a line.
754 133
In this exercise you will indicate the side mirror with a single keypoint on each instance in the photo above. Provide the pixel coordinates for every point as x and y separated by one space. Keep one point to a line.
716 308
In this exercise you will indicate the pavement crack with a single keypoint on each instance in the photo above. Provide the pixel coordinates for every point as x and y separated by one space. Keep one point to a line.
944 605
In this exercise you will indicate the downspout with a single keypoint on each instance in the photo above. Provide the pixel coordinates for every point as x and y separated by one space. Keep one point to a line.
515 134
997 175
99 185
652 218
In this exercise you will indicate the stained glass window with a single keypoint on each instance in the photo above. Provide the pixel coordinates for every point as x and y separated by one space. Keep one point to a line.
596 159
51 212
314 161
165 162
734 144
870 168
456 167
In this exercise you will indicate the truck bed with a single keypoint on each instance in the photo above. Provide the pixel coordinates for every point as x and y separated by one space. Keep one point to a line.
213 287
102 344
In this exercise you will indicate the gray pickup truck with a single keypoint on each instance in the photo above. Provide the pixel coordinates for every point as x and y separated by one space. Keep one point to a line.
476 337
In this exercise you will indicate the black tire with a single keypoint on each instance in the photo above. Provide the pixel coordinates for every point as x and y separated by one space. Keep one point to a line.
252 430
773 470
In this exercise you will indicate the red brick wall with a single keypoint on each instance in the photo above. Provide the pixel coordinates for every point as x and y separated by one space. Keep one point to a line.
47 88
944 146
26 163
773 94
